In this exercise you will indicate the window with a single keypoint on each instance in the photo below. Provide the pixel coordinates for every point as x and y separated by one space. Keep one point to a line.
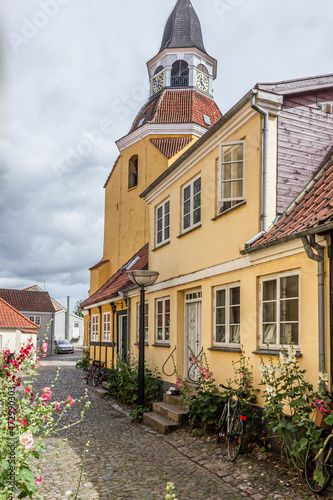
146 321
133 172
279 310
106 326
163 223
163 320
179 74
191 204
94 332
231 175
202 68
158 70
36 320
227 315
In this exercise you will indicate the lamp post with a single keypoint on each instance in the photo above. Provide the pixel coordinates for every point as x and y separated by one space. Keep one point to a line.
142 278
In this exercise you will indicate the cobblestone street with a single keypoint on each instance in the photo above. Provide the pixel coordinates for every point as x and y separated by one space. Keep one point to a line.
128 461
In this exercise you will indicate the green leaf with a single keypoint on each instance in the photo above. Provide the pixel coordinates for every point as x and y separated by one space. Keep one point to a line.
319 477
329 419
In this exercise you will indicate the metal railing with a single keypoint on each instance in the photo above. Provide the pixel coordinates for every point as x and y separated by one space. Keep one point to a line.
190 368
174 368
179 81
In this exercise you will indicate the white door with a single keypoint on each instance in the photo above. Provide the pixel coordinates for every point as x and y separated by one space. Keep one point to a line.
76 330
192 333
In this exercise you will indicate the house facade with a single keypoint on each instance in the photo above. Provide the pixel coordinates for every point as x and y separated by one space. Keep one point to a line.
210 216
15 329
38 308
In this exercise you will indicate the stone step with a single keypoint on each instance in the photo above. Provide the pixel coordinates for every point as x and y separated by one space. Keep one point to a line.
105 385
99 391
170 412
159 423
174 400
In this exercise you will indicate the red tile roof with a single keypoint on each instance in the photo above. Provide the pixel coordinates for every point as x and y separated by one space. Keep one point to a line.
27 300
170 146
178 106
11 318
120 280
312 209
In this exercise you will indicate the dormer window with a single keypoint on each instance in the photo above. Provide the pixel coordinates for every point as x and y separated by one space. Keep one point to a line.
133 172
179 74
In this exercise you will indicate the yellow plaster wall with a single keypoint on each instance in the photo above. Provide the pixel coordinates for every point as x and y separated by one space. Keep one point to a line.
218 240
220 362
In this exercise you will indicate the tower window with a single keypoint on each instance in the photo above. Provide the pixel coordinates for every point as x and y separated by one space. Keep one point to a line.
133 172
179 74
202 68
158 70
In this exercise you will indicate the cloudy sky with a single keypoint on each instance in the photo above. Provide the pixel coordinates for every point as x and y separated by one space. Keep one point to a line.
73 76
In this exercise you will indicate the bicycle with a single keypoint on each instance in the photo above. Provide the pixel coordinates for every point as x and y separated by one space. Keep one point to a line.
318 467
95 372
232 425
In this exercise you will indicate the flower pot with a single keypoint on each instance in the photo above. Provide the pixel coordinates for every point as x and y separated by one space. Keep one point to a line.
319 420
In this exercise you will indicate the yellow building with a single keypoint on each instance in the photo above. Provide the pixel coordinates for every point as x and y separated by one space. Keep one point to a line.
213 196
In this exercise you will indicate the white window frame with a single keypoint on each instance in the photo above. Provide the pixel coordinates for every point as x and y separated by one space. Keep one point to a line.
106 327
227 289
36 319
146 321
277 278
233 200
165 223
94 327
191 213
163 340
0 342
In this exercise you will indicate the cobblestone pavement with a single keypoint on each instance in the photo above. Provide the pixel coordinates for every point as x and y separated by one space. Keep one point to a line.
129 461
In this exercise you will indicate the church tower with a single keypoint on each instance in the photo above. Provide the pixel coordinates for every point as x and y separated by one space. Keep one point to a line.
179 110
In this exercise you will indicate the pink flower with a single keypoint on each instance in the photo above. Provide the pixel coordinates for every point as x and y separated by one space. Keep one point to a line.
27 390
27 440
38 480
44 347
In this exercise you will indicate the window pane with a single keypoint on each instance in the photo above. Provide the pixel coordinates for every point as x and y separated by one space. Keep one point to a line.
187 221
235 296
167 233
187 207
167 220
160 307
220 316
289 333
226 190
197 216
235 334
167 319
197 186
220 334
167 207
269 290
234 315
159 237
269 312
167 333
187 193
269 334
159 225
220 298
167 306
289 310
160 213
289 287
197 201
159 334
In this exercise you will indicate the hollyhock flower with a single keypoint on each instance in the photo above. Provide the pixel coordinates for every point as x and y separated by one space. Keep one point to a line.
38 480
27 390
27 440
44 347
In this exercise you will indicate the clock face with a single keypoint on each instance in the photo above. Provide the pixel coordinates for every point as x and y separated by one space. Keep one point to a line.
202 82
158 83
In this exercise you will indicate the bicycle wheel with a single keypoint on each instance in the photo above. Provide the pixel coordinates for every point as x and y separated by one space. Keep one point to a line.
318 467
95 377
235 437
222 424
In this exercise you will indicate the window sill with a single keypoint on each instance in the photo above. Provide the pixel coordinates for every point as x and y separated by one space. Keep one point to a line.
161 345
241 204
226 349
274 352
137 343
131 188
189 231
160 246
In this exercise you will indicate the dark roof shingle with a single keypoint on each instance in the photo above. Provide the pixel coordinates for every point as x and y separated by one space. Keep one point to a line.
27 300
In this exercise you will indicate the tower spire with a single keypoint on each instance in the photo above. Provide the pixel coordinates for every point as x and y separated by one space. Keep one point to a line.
183 28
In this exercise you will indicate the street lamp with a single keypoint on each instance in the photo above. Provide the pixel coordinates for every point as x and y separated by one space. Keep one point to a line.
142 278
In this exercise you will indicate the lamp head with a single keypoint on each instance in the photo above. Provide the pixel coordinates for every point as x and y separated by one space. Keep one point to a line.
143 277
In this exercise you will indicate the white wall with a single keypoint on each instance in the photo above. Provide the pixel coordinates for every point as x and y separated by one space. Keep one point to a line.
60 326
12 339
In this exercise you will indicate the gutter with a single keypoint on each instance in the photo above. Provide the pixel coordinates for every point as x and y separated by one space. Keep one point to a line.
310 245
265 114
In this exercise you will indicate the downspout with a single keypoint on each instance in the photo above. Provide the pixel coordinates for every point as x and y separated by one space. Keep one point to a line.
265 114
309 245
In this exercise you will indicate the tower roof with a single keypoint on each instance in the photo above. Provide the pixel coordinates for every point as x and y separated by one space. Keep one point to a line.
183 28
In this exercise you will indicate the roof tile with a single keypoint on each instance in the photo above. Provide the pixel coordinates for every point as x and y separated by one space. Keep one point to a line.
27 300
11 318
170 146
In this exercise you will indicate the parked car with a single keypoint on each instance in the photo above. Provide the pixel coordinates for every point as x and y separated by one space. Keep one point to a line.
63 346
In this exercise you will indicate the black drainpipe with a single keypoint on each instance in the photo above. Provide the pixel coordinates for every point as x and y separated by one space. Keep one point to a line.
100 333
330 256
